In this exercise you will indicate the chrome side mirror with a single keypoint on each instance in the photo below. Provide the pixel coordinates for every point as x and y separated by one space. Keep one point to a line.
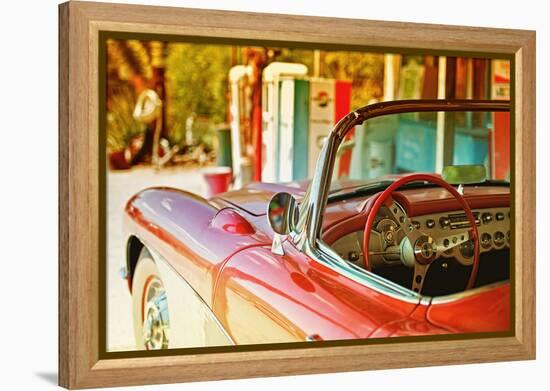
282 213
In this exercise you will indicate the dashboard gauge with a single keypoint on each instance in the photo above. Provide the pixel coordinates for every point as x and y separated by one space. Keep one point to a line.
499 238
486 240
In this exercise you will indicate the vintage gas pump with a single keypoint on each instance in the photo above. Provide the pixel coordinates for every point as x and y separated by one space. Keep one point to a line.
299 112
309 109
271 87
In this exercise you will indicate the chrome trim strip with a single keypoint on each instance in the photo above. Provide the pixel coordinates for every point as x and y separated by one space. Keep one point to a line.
326 256
365 277
465 294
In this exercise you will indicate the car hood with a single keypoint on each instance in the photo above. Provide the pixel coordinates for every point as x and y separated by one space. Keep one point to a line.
254 197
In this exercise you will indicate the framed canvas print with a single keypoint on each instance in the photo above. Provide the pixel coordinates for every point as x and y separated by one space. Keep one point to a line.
258 195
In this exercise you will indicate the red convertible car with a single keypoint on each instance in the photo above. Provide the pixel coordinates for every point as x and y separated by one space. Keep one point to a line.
327 259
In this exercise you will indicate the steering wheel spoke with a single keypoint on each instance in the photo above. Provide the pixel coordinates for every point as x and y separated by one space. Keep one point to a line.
403 221
419 276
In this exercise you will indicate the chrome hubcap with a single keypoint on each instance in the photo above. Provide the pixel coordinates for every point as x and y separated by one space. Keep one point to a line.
155 316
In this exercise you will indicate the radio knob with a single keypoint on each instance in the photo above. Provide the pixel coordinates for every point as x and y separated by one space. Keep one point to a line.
430 223
445 222
486 218
499 216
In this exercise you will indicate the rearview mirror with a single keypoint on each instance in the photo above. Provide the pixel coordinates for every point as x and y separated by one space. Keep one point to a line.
282 213
465 174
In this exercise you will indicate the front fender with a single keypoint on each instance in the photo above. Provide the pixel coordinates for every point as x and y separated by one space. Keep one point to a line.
194 236
262 297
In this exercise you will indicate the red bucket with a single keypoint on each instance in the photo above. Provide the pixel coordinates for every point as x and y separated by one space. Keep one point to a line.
218 179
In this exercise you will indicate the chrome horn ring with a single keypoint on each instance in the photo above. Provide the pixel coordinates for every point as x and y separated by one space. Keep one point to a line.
425 250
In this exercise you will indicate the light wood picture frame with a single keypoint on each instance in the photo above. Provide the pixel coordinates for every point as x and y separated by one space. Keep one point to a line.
81 363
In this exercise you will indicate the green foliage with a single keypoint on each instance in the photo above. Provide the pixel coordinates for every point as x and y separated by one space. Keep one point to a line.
365 70
302 56
121 125
196 82
204 133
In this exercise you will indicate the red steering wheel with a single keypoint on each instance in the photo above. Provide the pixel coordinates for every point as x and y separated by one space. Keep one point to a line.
425 247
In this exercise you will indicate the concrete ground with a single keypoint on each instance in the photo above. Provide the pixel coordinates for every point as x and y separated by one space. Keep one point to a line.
121 185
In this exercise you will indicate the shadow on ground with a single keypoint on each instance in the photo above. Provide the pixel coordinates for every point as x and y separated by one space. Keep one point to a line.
48 377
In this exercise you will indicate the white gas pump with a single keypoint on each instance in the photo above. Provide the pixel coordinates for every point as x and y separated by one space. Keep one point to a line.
272 75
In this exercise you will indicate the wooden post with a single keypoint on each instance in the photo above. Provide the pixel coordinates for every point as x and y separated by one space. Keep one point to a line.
445 123
440 132
389 77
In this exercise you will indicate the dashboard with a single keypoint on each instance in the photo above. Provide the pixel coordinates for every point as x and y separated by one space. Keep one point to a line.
493 226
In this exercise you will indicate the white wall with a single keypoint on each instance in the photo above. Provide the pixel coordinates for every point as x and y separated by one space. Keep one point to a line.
28 200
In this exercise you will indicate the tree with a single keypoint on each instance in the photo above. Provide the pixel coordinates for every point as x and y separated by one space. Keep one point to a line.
196 82
365 70
132 67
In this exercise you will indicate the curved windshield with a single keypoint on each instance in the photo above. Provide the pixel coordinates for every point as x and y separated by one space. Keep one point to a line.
382 147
